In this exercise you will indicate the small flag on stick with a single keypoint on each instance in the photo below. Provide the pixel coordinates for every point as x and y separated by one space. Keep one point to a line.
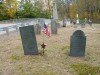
46 30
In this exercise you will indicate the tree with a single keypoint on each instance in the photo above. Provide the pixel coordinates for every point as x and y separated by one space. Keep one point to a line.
11 7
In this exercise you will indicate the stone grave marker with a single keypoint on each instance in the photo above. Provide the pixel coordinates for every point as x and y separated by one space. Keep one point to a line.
77 43
6 29
37 29
28 40
68 24
53 27
55 14
58 24
16 27
41 22
82 25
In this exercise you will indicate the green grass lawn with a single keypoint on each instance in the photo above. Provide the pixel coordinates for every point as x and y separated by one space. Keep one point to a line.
56 60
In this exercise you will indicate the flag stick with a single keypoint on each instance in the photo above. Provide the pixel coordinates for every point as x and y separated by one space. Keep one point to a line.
43 45
43 37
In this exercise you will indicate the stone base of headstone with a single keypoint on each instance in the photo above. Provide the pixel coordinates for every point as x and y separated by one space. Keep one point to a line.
28 40
54 27
6 29
57 23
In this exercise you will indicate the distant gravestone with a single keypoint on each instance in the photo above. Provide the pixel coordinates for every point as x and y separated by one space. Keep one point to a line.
6 29
68 23
37 29
29 40
41 22
55 14
53 27
58 23
78 43
16 27
82 25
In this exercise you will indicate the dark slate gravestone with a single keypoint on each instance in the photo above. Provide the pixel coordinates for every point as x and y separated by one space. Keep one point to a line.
78 43
29 40
53 27
37 29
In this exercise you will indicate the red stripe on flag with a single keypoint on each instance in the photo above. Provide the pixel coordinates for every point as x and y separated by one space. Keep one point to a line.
46 30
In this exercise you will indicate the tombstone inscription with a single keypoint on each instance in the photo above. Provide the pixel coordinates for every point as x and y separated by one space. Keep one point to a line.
78 43
28 40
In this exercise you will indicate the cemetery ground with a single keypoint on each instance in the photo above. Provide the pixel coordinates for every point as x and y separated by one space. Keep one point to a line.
56 60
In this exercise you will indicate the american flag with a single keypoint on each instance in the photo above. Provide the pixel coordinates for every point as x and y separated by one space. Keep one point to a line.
46 30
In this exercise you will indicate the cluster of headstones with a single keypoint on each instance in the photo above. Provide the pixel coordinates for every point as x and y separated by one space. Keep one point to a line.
54 26
7 29
77 42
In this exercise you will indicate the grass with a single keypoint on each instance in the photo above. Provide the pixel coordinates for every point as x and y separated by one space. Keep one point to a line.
56 60
15 57
86 69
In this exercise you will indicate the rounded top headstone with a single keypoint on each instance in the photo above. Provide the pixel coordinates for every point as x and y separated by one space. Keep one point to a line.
78 33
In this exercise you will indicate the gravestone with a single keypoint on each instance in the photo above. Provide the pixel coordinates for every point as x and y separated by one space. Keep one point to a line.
58 24
28 40
6 29
16 27
82 25
77 43
64 22
22 25
68 23
37 29
41 22
53 27
55 14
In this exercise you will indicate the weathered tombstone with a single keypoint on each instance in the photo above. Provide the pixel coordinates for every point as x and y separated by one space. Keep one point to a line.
16 27
82 25
77 43
55 14
41 22
37 29
6 29
64 22
29 40
68 23
53 27
22 25
74 24
58 24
